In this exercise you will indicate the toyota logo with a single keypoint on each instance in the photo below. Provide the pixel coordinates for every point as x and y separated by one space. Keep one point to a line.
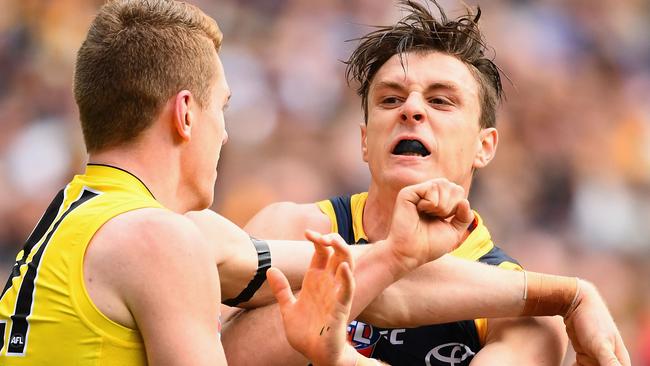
451 353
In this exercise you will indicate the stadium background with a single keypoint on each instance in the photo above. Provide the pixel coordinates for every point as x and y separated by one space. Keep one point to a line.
569 190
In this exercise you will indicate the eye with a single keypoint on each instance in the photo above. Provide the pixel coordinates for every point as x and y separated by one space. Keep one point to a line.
440 101
390 101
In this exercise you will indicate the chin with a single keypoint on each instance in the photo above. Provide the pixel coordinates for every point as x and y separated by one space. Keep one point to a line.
202 204
405 178
204 196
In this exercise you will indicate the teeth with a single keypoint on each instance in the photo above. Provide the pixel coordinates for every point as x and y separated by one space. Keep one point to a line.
410 148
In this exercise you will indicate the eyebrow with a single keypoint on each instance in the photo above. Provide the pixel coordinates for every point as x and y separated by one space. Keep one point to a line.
434 86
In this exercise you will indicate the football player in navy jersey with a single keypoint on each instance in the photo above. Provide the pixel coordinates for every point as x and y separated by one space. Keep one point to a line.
429 95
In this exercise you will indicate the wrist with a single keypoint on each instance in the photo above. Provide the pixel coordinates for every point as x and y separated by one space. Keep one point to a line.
585 291
349 357
547 295
365 361
396 262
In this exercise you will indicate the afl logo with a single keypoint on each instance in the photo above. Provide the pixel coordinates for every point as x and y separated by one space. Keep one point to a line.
363 337
449 353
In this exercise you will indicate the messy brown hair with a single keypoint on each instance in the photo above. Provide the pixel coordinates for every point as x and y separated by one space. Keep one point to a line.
137 55
420 31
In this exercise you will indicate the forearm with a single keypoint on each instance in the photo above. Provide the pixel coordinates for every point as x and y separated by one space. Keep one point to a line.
291 257
448 289
451 289
238 259
262 328
376 268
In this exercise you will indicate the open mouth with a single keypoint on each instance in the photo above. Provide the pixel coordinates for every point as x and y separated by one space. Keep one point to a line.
410 148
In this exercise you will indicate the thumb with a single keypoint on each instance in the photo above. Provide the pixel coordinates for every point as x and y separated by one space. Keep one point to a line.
280 287
463 216
346 280
606 357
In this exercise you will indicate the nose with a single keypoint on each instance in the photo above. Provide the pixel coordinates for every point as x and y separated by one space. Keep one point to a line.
413 109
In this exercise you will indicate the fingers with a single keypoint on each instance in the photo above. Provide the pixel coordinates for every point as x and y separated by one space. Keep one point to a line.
342 253
345 280
280 287
321 254
437 197
586 360
606 357
464 215
324 258
621 352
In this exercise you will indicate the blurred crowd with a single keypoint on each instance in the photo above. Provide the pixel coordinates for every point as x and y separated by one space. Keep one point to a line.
569 190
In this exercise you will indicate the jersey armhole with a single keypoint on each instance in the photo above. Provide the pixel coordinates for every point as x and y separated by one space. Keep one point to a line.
328 209
481 330
88 311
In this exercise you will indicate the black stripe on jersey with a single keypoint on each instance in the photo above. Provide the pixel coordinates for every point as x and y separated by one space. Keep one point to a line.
3 325
20 326
39 231
343 210
497 256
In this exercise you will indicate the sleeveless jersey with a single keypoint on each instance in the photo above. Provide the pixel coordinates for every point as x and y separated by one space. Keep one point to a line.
433 345
46 314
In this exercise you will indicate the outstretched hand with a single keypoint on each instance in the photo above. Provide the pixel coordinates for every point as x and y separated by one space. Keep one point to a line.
593 333
315 322
429 220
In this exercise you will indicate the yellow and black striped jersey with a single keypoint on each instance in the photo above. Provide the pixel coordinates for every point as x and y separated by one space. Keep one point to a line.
444 344
46 314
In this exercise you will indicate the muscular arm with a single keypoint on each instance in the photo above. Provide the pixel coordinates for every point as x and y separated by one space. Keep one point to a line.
271 332
472 290
237 260
495 292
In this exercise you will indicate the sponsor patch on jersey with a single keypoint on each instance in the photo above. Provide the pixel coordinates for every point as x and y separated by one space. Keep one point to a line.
363 337
451 354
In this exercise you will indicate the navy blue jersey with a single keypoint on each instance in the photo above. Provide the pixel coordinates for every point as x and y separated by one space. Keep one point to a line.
432 345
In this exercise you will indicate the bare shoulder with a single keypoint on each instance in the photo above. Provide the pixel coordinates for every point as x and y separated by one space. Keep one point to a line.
141 242
150 230
139 251
288 220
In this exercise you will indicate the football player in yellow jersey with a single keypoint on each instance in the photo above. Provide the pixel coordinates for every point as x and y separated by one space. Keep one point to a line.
429 97
114 273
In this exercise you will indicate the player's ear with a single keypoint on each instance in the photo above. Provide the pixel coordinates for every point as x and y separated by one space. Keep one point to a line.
486 147
364 141
182 116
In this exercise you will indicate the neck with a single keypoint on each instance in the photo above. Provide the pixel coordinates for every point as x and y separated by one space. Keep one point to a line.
162 179
378 212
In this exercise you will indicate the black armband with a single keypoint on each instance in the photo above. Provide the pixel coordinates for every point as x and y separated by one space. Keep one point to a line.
263 263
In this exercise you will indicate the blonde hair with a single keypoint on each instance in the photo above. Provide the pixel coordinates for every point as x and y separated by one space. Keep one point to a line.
137 55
